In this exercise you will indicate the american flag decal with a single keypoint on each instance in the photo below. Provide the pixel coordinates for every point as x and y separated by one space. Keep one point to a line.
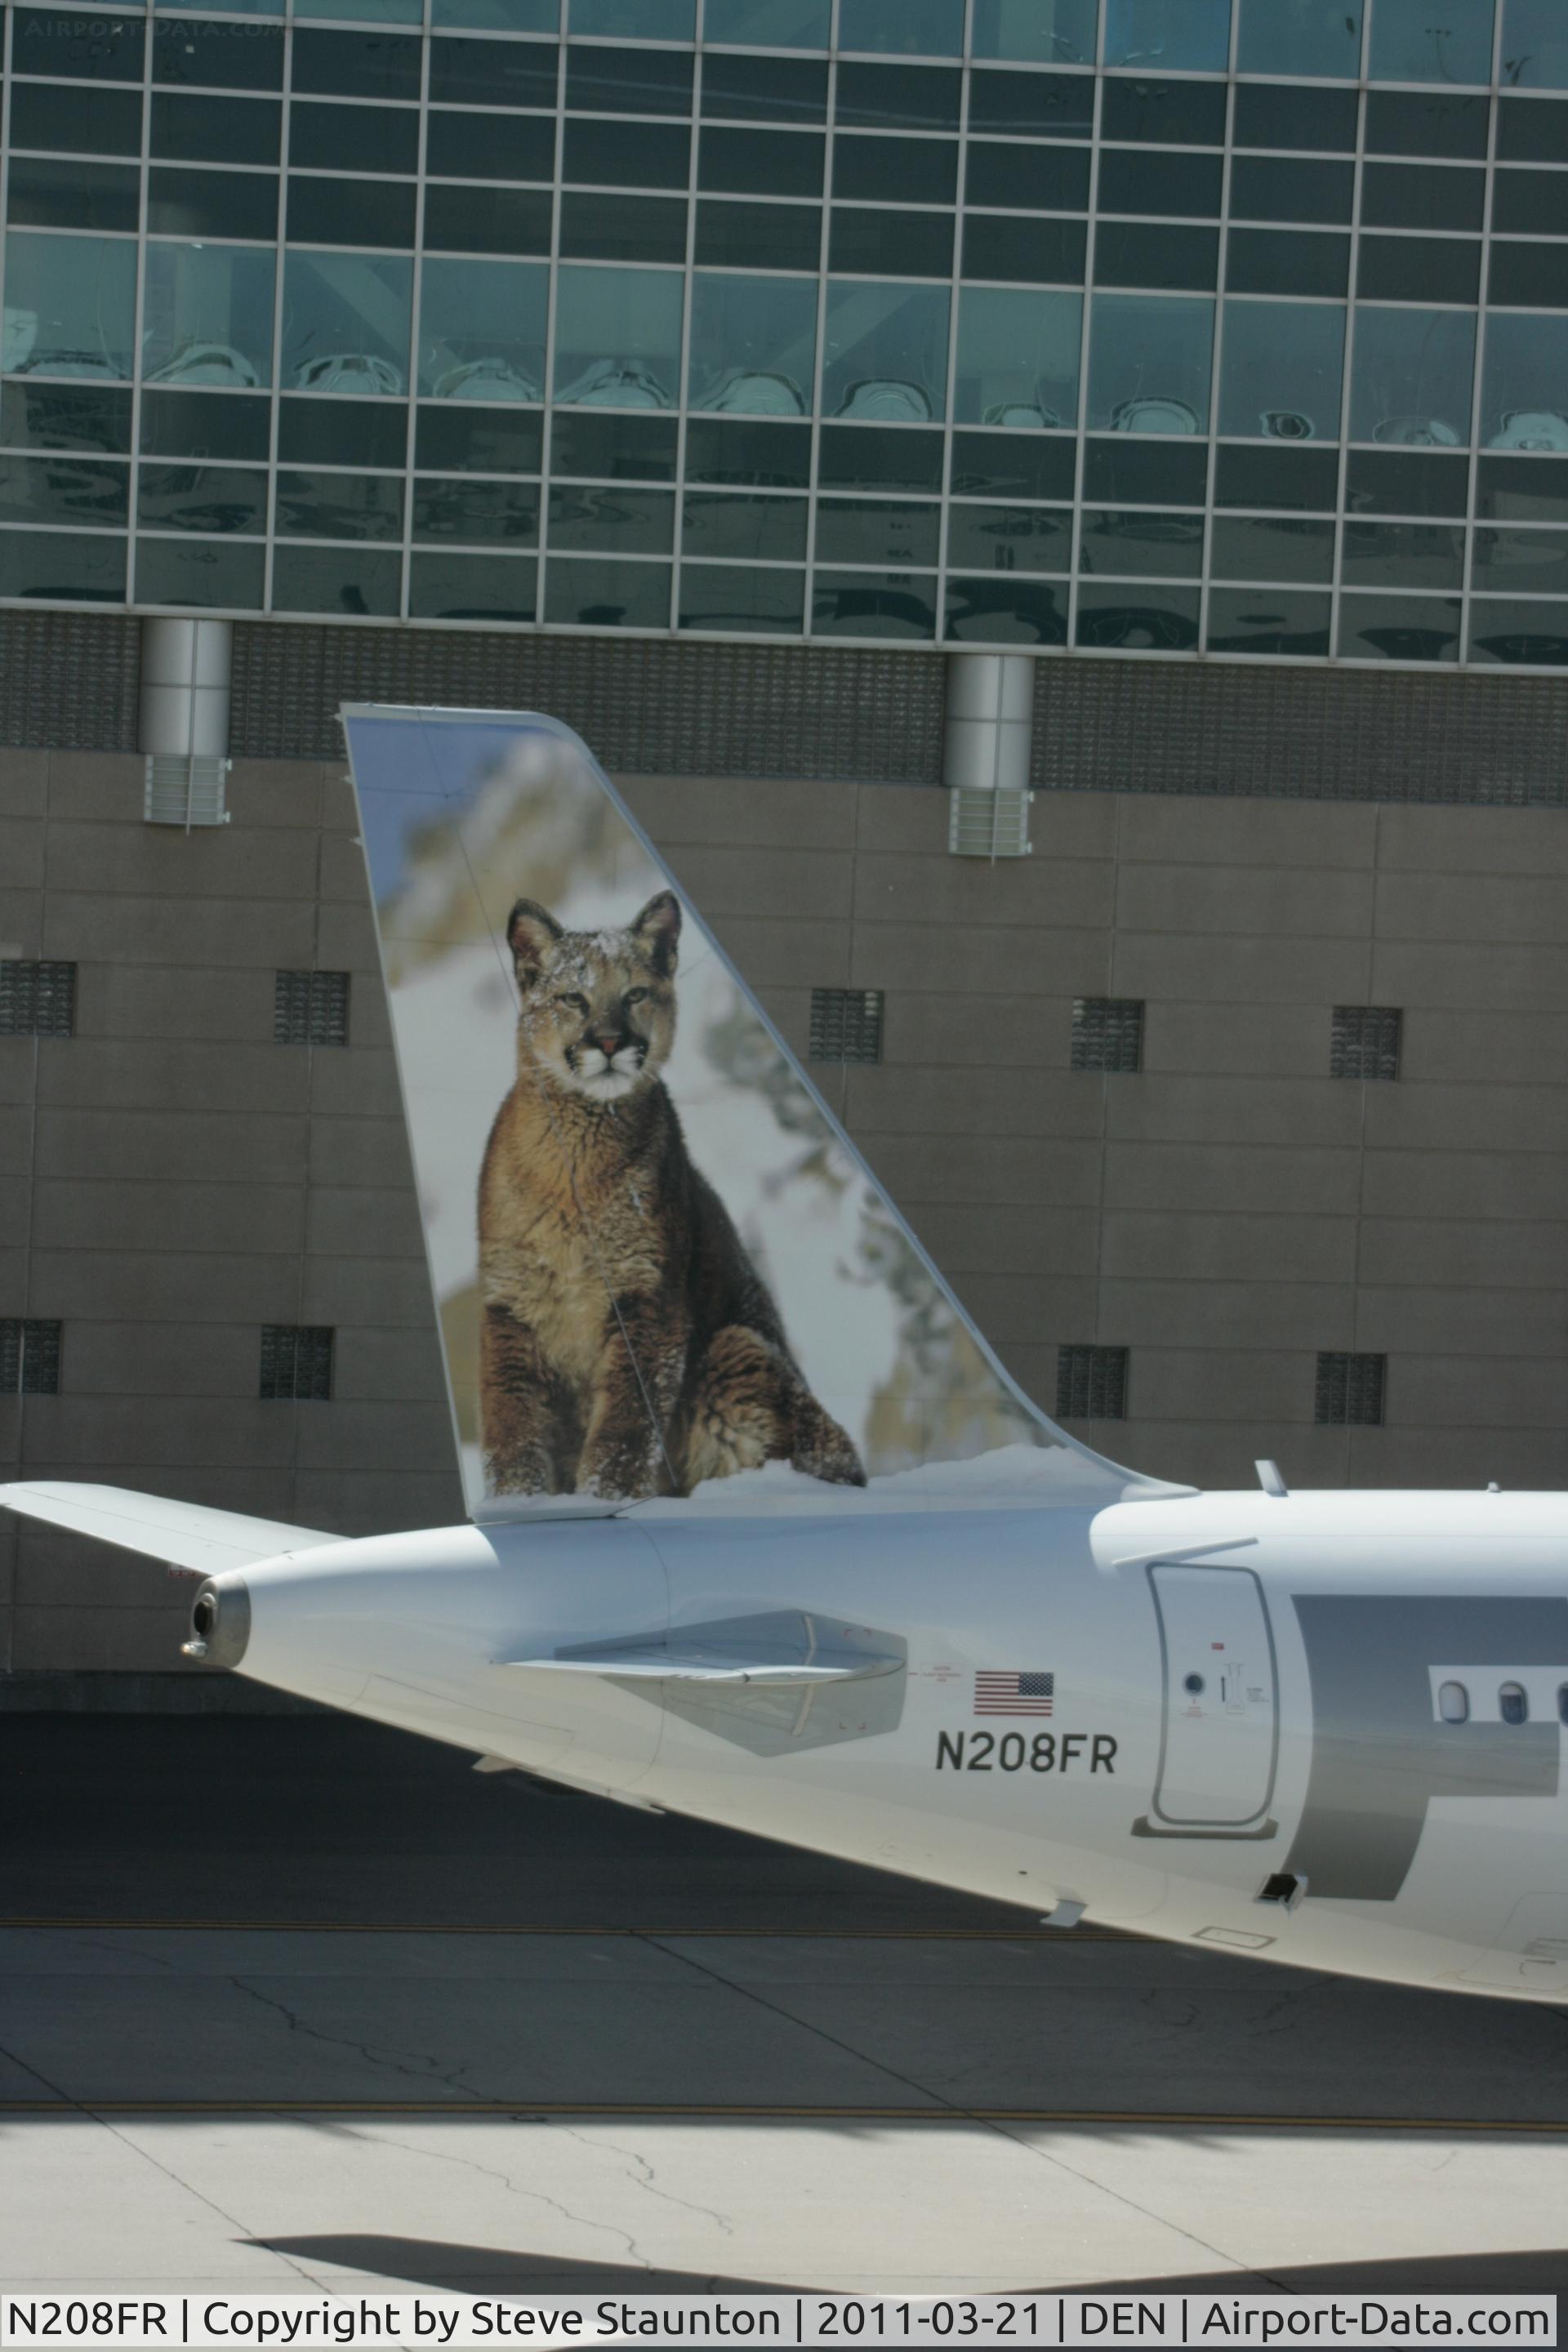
1014 1694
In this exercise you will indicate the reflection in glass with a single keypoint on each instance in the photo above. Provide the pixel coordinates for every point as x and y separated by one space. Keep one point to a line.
71 306
928 28
734 450
606 592
741 596
757 236
1151 357
1300 36
472 588
1504 630
1267 621
873 604
1406 482
595 227
200 571
48 192
1009 465
362 580
1017 357
193 425
1520 562
609 446
617 521
877 531
50 417
850 458
1399 628
481 330
761 530
206 315
330 432
1402 554
1272 547
83 567
1000 611
478 440
754 345
885 354
476 512
1035 32
1411 378
618 338
208 498
769 24
1148 619
63 489
1008 539
1271 114
1534 44
1412 41
1282 370
1144 546
1120 472
1524 387
345 322
1194 38
340 506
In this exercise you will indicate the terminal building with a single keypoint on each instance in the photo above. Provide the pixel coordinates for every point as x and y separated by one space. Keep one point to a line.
1054 513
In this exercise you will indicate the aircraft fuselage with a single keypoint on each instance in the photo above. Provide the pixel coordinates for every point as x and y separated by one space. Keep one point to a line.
1155 1710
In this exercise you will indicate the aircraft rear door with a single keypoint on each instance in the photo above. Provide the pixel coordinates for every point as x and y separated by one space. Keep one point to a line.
1220 1731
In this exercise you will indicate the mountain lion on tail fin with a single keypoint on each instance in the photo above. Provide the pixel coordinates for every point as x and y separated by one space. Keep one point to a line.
629 1346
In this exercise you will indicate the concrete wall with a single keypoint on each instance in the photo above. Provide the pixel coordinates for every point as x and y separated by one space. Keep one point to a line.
170 1179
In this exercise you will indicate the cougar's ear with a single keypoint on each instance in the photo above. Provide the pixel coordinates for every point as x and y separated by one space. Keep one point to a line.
657 931
531 932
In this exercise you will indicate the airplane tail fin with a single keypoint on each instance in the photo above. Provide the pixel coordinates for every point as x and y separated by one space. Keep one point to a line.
665 1278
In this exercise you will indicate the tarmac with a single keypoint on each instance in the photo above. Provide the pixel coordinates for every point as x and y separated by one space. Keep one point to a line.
298 2003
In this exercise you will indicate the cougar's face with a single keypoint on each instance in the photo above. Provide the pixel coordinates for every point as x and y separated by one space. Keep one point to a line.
598 1007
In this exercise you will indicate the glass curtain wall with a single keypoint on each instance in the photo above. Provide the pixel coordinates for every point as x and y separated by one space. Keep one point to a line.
1115 325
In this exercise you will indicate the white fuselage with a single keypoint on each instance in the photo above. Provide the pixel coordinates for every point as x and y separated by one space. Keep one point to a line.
1241 1688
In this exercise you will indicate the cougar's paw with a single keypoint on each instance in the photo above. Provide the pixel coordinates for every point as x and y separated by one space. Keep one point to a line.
622 1474
822 1451
531 1473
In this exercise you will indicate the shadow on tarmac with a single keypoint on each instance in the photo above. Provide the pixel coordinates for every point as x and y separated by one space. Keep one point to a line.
442 2266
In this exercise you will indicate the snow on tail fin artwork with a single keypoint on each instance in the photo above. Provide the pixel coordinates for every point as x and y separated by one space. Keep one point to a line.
663 1275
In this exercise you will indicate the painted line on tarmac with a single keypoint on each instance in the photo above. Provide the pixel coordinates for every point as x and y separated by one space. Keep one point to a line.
525 2111
1029 1935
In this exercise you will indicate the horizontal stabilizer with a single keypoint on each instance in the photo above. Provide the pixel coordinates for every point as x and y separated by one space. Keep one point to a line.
781 1651
187 1534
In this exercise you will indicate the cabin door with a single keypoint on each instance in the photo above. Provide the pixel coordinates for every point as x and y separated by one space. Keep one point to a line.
1221 1701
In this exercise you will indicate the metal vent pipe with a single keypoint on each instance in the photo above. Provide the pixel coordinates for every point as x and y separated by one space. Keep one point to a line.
990 723
185 672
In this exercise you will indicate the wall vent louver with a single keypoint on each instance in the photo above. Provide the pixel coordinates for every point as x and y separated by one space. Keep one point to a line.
982 823
185 789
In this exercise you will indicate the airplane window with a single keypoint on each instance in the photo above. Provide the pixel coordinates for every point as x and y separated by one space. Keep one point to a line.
1513 1704
1193 1682
1453 1703
1563 1701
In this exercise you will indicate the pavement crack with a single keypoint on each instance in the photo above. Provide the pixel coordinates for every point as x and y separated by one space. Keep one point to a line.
958 2111
514 2187
410 2063
646 2178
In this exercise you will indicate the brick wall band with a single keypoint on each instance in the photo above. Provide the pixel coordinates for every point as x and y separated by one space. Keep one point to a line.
70 680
